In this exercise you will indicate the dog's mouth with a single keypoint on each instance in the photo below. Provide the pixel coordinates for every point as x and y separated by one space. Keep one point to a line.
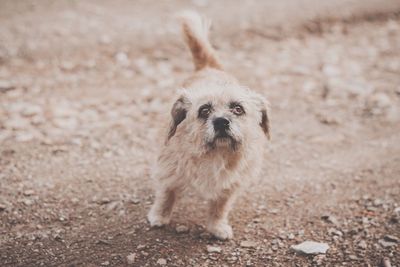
223 139
222 135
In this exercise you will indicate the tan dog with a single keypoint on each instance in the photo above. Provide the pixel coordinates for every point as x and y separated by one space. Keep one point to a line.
215 140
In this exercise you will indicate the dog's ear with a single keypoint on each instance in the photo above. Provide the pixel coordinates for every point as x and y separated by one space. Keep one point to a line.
178 113
263 107
265 125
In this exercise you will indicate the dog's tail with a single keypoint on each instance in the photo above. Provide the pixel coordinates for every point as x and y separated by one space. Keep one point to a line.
195 31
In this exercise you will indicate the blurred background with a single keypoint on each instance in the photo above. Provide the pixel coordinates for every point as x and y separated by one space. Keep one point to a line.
86 85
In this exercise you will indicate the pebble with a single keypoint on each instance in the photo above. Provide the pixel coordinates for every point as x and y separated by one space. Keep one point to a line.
122 59
182 229
105 39
391 238
362 244
353 257
31 110
106 263
135 201
66 123
139 247
24 137
378 103
248 244
319 259
311 247
213 249
2 207
17 123
131 258
386 244
162 261
333 231
330 219
104 201
29 192
27 202
6 86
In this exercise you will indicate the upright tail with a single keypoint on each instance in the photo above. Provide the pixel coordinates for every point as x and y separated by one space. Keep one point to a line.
195 31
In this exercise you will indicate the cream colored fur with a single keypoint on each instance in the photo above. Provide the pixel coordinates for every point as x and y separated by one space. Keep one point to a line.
193 157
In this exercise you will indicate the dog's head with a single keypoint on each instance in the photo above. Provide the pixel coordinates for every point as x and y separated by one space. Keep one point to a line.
220 117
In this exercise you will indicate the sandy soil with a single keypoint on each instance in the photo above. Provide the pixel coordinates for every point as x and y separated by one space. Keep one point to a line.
84 87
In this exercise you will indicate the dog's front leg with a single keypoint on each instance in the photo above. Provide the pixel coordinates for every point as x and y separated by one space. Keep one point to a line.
160 212
218 215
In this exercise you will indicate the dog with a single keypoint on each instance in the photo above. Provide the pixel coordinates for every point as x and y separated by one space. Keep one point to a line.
215 139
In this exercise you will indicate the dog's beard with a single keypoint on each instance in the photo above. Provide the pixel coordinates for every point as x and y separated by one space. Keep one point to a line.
223 140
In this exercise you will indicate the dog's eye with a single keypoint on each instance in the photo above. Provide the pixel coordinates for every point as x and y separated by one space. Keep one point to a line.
238 110
204 111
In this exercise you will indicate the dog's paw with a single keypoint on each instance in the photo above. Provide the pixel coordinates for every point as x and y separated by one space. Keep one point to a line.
222 231
157 220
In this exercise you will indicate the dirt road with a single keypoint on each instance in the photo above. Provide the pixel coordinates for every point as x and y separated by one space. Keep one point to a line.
84 87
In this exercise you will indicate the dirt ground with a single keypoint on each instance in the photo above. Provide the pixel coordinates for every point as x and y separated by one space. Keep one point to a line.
85 85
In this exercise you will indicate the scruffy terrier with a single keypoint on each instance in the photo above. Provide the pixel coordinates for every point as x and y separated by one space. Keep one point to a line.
215 139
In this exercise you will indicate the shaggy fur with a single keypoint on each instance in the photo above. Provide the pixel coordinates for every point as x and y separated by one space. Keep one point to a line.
214 143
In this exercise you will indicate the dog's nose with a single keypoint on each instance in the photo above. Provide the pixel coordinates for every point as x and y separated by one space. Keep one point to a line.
221 124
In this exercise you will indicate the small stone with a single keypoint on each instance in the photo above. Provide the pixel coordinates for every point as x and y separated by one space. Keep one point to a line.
122 59
273 211
29 192
67 65
205 235
248 244
27 202
232 259
162 261
213 249
104 201
378 103
144 253
112 206
319 259
105 39
17 123
31 110
333 231
6 86
353 257
328 119
139 247
24 137
131 258
391 238
311 247
182 229
386 244
330 219
362 244
2 207
66 123
135 201
106 263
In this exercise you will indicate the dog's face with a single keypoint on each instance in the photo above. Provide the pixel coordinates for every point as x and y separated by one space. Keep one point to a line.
219 118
